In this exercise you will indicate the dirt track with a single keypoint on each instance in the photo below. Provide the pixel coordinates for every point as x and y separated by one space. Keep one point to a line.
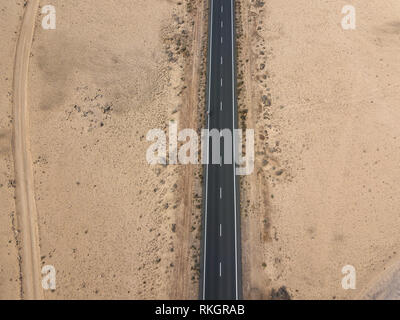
25 197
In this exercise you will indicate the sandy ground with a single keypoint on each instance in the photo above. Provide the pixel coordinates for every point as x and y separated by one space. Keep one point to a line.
324 104
10 15
112 225
99 83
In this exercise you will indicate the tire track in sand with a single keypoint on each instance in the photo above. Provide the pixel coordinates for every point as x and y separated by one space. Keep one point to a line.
28 238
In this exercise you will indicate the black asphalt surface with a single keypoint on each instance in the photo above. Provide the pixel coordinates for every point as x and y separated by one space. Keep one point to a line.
221 258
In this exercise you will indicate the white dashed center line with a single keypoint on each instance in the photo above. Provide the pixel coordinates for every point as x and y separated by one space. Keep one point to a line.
220 230
220 105
222 60
220 192
222 8
220 269
221 82
222 24
222 40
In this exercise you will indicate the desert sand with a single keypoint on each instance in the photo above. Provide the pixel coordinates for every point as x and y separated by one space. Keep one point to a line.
324 104
85 96
10 14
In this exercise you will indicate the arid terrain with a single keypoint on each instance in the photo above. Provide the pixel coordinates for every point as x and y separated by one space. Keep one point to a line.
10 14
324 104
85 96
77 193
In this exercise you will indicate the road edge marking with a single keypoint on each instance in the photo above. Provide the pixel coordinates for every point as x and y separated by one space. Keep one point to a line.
234 149
208 154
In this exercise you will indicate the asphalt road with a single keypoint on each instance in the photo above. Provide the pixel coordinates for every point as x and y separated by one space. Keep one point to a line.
221 257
